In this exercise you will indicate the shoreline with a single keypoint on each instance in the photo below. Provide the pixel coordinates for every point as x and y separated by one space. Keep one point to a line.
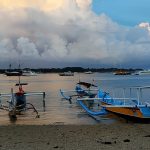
75 137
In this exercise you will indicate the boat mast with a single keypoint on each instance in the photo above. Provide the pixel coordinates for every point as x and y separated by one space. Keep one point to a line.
19 74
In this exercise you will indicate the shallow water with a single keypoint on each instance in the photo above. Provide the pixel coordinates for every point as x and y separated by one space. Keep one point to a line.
59 111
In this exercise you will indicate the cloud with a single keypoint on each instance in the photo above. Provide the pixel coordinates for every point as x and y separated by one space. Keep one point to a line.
49 33
84 4
145 25
45 5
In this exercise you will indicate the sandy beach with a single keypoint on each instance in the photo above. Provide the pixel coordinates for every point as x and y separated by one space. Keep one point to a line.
75 137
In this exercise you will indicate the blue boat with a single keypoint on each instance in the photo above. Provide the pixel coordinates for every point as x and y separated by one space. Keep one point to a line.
129 108
82 89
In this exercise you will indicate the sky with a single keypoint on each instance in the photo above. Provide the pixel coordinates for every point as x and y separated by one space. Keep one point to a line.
85 33
125 12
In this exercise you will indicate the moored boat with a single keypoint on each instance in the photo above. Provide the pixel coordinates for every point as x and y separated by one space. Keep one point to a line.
13 73
122 72
28 73
69 73
128 108
81 89
88 72
144 72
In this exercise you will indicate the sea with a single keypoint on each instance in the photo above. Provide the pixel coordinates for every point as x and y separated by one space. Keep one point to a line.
59 111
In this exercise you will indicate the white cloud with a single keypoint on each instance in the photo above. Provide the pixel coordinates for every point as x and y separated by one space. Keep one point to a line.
84 4
71 33
145 25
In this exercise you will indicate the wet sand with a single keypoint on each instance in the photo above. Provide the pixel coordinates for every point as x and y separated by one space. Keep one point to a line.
75 137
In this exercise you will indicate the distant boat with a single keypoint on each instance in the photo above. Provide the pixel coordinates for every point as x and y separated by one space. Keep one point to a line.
144 72
136 73
28 73
13 73
69 73
88 72
121 72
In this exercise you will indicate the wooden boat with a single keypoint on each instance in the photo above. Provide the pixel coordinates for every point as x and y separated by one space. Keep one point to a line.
17 101
81 89
129 108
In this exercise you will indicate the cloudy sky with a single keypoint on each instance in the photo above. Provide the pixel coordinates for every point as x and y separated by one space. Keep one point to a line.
86 33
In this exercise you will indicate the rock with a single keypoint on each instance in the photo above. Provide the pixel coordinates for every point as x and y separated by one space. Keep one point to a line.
126 140
147 136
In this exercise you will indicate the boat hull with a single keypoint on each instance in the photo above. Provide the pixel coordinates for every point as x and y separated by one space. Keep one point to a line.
13 73
66 74
133 114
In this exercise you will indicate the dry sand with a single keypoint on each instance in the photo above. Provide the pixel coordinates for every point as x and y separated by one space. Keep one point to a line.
75 137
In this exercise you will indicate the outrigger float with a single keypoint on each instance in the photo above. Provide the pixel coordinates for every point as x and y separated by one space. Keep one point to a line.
17 102
132 109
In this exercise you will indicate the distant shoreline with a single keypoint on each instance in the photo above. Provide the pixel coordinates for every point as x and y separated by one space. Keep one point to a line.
74 69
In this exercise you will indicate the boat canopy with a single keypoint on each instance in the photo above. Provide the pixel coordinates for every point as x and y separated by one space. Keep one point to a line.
86 84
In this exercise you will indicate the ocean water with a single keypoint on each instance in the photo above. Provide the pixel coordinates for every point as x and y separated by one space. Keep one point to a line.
58 110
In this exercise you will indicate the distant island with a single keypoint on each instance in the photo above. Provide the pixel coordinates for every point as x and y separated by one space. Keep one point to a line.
73 69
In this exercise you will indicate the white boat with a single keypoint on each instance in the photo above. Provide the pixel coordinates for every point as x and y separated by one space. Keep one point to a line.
144 72
69 73
28 73
88 72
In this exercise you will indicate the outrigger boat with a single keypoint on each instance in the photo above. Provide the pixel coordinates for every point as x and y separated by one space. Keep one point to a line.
129 108
17 102
81 89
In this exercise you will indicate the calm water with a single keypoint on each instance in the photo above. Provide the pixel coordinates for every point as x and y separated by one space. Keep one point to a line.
59 111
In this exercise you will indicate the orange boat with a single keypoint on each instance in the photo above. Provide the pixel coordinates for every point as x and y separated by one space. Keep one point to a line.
128 108
121 72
